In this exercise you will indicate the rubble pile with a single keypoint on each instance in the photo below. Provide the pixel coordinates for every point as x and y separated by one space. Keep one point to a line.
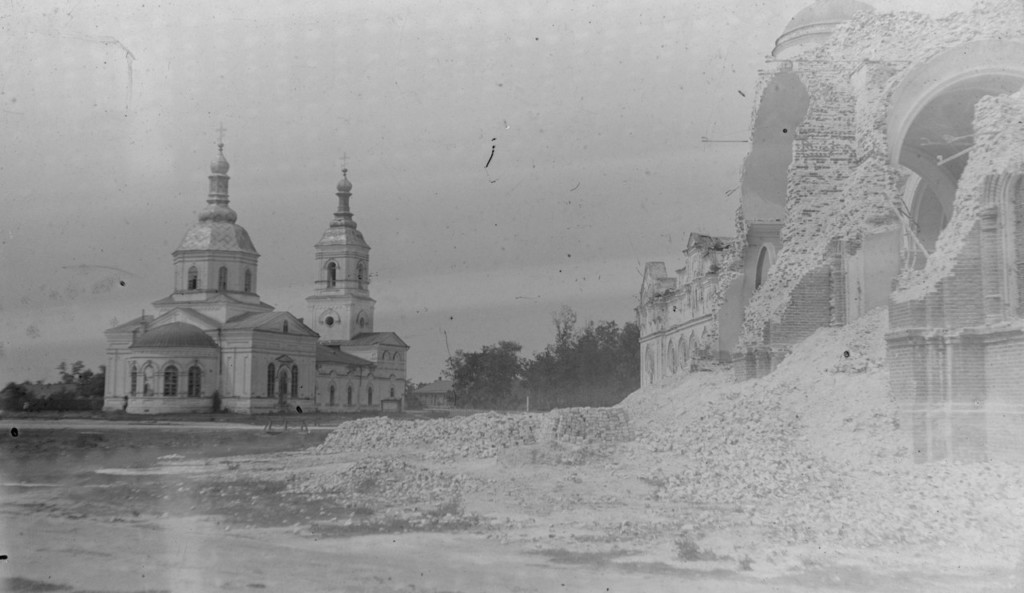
383 481
814 453
479 435
586 425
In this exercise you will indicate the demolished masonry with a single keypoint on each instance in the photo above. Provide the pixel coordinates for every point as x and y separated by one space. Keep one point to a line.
884 171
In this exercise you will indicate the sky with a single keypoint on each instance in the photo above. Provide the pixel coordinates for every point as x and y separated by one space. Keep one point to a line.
594 113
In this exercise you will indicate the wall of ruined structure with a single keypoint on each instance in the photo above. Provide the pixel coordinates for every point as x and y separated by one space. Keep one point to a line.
842 185
955 348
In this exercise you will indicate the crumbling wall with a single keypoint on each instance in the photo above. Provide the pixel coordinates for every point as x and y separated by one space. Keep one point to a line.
998 142
841 183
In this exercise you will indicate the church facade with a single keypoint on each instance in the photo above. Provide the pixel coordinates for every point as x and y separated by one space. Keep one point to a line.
212 343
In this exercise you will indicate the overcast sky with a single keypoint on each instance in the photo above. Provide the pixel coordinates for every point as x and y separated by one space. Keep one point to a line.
595 112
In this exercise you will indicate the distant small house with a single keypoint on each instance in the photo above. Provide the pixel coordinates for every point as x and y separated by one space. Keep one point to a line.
439 394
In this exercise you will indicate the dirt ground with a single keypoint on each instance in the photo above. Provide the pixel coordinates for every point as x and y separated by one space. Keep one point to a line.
90 506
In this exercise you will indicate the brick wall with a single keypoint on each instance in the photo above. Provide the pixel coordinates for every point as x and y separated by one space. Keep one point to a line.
810 308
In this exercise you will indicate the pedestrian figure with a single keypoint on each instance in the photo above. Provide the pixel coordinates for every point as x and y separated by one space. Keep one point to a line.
124 408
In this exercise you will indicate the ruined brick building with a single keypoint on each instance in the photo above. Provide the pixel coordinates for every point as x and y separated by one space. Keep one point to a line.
885 170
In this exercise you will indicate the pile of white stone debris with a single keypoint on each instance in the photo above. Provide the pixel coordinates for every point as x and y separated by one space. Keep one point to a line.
479 435
814 453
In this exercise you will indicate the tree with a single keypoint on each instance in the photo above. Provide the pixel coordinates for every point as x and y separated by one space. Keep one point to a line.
488 378
593 366
14 396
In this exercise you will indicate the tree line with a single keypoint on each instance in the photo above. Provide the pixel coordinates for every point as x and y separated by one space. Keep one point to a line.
79 388
592 365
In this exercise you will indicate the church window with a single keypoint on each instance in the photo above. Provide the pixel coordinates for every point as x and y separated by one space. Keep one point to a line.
271 373
332 394
282 383
147 380
222 279
349 400
360 273
171 381
284 328
295 380
361 321
195 381
392 393
332 275
329 321
248 281
134 380
369 395
193 278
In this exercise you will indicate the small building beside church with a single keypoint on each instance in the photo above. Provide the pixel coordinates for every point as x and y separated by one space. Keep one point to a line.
213 343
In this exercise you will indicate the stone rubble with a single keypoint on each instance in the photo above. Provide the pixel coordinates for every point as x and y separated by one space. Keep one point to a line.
813 453
479 435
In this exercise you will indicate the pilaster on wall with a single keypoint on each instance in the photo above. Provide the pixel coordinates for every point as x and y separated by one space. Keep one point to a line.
837 304
955 354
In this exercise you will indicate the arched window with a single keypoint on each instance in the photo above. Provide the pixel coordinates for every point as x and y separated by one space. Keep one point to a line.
369 395
195 381
284 328
763 264
332 275
360 273
248 280
332 394
282 383
222 279
147 380
271 374
349 400
171 381
134 380
295 380
193 278
673 360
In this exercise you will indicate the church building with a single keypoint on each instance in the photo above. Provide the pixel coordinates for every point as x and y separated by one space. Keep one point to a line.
212 343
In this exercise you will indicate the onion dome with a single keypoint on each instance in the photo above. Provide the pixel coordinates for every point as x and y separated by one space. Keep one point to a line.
343 229
219 165
344 185
173 335
216 229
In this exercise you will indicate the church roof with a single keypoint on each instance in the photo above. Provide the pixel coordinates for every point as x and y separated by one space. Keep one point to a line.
827 12
325 354
174 335
262 320
374 338
216 229
343 235
130 326
220 236
437 387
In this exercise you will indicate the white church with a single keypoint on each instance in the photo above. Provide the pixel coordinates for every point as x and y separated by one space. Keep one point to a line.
213 342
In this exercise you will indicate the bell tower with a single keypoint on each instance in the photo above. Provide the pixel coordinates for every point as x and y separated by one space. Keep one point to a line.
340 307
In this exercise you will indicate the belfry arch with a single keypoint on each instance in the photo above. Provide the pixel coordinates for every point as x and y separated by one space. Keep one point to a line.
930 124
